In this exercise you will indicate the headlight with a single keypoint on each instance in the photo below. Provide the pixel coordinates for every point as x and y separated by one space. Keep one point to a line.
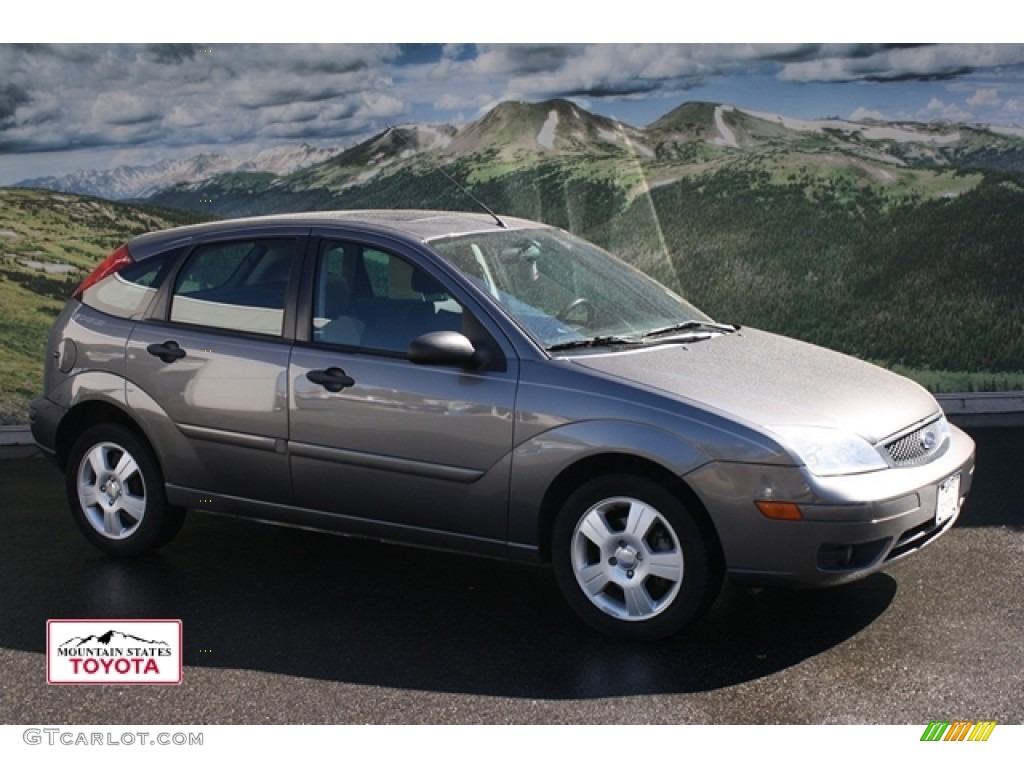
828 451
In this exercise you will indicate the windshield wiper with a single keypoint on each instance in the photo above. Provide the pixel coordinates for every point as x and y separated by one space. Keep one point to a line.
693 325
695 330
595 341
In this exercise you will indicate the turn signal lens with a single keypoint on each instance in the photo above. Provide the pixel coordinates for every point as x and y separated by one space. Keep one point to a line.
780 510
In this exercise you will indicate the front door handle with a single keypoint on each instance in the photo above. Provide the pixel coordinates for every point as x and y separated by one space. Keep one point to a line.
169 351
333 379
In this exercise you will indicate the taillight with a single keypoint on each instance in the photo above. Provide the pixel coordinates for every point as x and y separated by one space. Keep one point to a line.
115 261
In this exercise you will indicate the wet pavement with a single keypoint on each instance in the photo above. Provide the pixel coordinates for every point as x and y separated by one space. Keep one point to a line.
290 626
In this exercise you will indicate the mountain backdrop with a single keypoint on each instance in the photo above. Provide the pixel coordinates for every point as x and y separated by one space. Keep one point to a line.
897 242
138 182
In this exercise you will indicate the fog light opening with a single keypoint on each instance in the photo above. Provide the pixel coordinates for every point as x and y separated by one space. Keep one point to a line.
838 556
851 557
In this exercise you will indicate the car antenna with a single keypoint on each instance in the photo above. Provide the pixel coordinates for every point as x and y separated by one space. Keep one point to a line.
392 129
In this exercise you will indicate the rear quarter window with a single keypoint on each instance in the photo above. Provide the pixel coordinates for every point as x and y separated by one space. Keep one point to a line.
128 292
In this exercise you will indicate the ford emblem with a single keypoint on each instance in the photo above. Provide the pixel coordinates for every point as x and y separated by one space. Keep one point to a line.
928 439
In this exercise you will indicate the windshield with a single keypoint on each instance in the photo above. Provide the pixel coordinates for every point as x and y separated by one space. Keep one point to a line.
563 289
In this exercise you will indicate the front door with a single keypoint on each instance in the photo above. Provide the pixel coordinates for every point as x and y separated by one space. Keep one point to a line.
385 442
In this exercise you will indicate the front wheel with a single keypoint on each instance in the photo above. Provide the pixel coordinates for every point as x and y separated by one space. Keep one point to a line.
116 492
631 560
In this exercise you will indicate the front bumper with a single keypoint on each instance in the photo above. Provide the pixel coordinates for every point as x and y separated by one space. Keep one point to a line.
853 525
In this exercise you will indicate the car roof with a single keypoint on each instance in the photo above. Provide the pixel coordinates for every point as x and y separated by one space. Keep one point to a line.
422 225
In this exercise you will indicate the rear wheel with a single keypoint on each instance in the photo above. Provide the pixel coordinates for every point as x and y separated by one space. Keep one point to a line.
116 492
631 560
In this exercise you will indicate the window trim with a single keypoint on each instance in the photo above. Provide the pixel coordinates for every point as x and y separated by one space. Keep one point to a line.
500 345
160 308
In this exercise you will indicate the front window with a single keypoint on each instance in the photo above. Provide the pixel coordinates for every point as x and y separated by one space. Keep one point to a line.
377 301
563 289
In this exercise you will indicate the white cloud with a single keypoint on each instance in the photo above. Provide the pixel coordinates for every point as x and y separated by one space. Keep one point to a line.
1014 106
119 96
122 108
862 113
449 102
939 110
381 105
985 97
943 60
182 117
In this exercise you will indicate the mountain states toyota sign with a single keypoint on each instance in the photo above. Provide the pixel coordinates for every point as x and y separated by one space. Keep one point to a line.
113 652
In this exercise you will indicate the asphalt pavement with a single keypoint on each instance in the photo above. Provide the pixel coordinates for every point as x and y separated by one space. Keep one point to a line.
290 626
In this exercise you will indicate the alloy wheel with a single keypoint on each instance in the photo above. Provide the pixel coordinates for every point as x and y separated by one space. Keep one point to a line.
627 558
111 490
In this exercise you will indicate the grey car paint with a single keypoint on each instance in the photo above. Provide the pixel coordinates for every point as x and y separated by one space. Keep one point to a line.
429 446
477 460
767 379
228 399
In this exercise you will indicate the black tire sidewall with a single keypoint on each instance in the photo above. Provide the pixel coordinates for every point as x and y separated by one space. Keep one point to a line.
149 533
697 580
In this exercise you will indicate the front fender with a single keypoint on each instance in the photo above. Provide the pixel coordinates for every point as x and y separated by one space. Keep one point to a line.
539 461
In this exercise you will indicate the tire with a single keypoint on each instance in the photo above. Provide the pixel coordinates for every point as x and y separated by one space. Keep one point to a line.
116 492
631 560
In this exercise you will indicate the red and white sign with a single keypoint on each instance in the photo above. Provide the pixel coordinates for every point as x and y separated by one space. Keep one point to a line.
113 652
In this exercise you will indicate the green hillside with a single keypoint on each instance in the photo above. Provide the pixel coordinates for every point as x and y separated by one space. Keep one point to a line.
898 243
924 284
48 244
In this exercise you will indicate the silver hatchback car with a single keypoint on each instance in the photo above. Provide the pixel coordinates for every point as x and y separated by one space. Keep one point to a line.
489 385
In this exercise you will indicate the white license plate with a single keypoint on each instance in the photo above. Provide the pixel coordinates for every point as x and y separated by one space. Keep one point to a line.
948 501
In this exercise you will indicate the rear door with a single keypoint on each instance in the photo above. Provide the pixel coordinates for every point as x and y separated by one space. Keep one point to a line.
215 361
422 452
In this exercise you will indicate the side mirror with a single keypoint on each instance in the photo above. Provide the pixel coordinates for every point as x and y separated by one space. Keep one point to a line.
445 348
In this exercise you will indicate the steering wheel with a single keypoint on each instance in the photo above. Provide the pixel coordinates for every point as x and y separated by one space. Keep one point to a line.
581 301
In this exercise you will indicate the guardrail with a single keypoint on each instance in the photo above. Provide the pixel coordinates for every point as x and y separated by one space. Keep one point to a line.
16 443
984 409
19 435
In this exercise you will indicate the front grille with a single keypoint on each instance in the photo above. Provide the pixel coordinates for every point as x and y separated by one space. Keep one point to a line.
919 446
915 538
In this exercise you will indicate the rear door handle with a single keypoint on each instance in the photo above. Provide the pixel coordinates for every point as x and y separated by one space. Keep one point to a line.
169 351
333 379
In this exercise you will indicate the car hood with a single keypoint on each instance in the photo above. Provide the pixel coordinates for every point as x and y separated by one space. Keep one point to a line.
770 380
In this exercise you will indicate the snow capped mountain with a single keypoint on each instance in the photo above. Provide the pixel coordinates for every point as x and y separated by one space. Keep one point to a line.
131 181
138 182
921 134
516 136
285 159
550 127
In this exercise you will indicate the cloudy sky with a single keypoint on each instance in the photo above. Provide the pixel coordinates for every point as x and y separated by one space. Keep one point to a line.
70 106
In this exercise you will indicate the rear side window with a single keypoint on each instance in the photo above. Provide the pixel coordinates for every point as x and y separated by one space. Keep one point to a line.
128 292
239 286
